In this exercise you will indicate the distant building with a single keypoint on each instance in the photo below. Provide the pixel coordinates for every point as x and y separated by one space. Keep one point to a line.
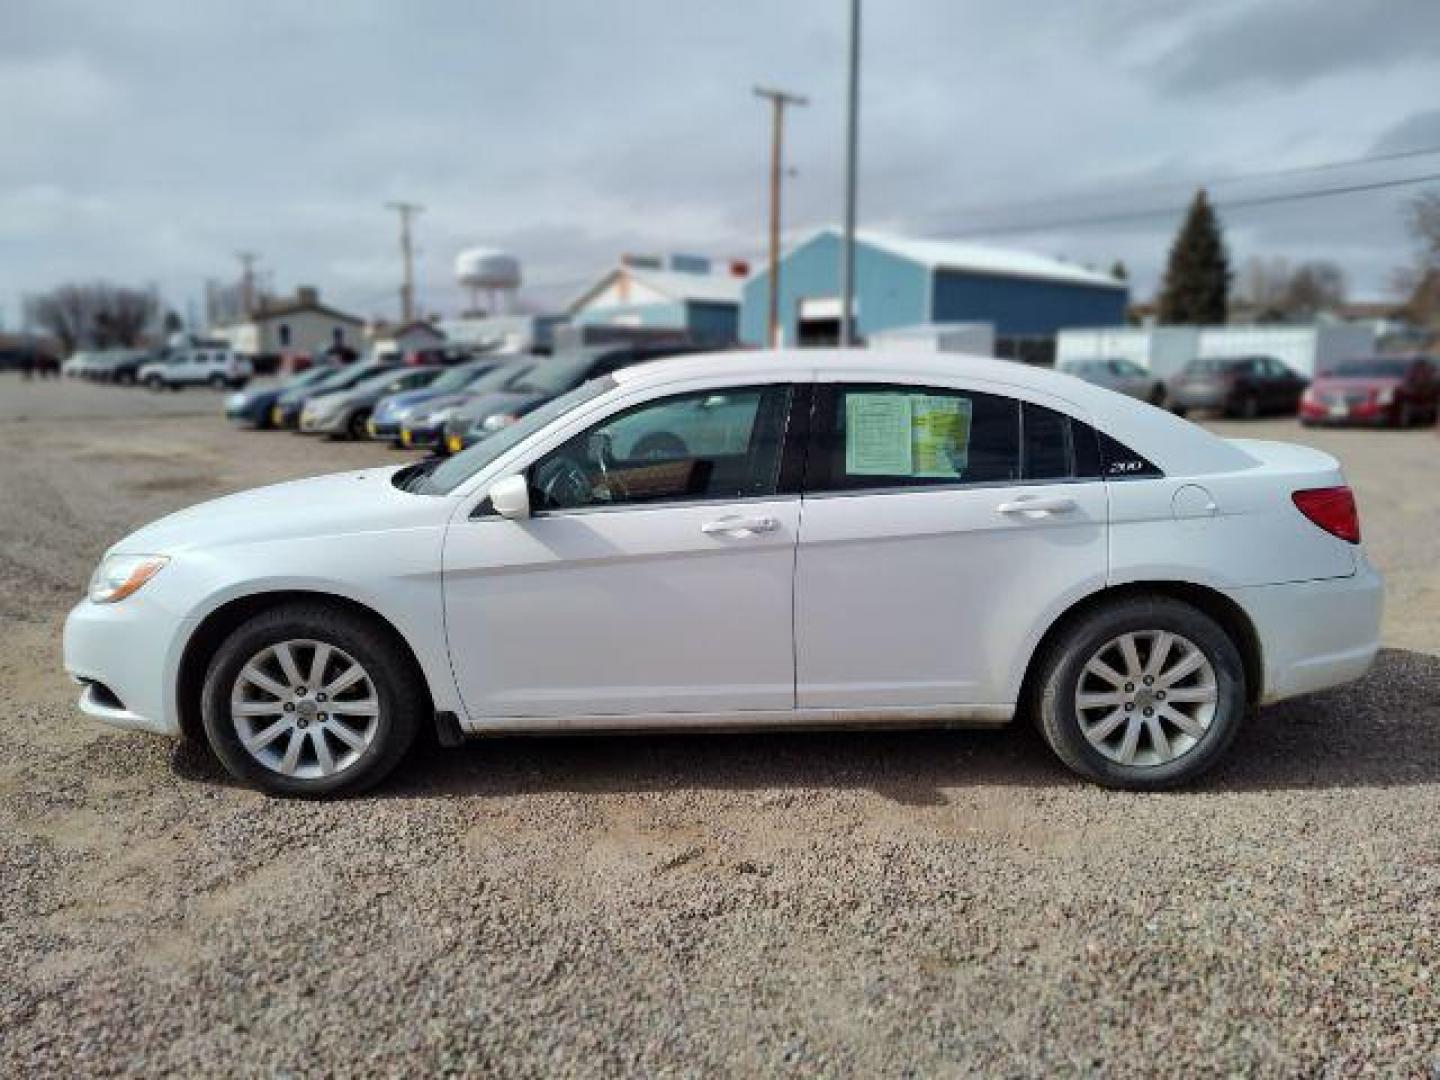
685 293
902 282
409 338
282 327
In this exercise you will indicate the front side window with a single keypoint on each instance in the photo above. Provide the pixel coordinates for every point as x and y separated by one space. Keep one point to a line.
883 436
713 445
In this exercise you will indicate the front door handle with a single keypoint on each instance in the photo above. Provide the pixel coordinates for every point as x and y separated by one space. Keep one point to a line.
740 526
1058 505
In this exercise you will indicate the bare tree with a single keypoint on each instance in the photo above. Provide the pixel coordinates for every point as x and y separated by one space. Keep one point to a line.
98 314
1276 291
1419 282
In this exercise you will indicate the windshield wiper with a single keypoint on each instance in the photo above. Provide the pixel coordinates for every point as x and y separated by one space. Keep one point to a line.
412 477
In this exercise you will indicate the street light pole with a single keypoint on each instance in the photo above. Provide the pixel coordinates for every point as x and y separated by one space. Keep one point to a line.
778 100
852 138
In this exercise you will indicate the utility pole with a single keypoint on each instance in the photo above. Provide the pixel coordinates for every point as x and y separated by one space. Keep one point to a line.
778 100
407 252
852 139
248 259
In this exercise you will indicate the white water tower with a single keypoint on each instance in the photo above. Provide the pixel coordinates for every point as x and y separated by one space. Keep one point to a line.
491 274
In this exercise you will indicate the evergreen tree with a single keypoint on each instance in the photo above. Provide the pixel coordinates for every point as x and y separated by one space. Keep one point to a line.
1197 279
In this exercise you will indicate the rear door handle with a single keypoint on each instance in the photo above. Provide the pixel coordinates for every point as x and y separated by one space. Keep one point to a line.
1058 505
740 526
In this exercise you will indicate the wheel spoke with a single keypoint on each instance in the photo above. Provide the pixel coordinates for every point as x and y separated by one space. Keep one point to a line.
353 674
322 751
1159 652
292 752
257 678
1196 695
366 707
288 665
1191 663
1131 654
266 736
352 739
1101 670
1157 737
318 663
1188 724
255 708
1103 728
1097 701
1126 753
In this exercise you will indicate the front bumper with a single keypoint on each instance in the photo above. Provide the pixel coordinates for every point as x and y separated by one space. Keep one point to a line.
131 649
387 430
1315 634
331 424
422 436
1364 413
282 416
1200 397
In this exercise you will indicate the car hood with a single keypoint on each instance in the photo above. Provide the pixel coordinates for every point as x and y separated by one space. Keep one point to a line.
440 401
498 401
337 504
409 398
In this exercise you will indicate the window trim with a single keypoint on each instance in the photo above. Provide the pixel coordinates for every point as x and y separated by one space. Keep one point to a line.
792 447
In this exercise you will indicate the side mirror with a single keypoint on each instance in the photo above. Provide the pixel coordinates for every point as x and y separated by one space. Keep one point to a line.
511 498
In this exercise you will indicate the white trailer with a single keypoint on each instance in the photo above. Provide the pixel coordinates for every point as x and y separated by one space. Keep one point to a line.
971 338
1164 350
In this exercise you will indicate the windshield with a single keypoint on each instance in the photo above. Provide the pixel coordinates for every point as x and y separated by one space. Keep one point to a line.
556 376
1390 369
309 377
457 378
442 479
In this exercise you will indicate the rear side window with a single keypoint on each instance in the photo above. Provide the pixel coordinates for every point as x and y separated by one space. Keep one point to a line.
891 436
1046 441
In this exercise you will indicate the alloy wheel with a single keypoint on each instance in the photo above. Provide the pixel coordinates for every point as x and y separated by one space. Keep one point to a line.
304 709
1146 698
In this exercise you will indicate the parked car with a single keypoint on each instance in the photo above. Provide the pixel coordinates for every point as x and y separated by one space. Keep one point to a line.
1122 376
81 364
251 407
345 413
1394 391
487 414
122 366
446 391
197 366
1247 386
285 412
980 540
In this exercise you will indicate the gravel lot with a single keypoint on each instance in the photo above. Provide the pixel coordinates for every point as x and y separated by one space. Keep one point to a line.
808 904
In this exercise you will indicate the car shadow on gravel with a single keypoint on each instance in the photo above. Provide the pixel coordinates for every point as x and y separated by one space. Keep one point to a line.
1383 731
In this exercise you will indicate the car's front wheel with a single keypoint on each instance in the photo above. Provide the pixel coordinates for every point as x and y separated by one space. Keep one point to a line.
310 700
1143 694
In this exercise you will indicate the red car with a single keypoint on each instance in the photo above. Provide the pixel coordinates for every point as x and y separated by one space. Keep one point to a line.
1396 391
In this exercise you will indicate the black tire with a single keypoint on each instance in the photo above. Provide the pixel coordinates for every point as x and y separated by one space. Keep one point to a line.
155 383
1405 417
355 426
1157 397
1249 408
401 694
217 382
1059 677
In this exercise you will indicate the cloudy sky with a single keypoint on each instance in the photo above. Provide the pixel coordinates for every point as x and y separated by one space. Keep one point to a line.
149 140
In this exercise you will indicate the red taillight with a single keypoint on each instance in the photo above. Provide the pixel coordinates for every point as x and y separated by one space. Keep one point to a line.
1333 509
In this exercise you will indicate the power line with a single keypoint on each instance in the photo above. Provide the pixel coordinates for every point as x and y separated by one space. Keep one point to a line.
1222 181
1225 204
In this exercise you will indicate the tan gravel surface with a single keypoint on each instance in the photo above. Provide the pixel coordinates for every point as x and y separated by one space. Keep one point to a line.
923 904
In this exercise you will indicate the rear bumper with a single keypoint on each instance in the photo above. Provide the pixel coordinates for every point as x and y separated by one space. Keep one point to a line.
1196 397
1358 415
1315 634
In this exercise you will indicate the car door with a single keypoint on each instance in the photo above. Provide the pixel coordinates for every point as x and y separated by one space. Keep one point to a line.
653 577
943 529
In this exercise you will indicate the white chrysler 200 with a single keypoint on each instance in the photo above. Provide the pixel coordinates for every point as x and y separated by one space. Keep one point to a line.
751 540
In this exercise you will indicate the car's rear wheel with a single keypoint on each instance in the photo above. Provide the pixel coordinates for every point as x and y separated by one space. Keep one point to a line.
1405 416
355 427
1249 407
309 700
1142 694
155 382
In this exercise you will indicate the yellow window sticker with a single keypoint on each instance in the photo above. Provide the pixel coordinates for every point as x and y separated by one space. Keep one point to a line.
941 428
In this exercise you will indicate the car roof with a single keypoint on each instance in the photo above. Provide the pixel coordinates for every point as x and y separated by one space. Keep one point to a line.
1179 447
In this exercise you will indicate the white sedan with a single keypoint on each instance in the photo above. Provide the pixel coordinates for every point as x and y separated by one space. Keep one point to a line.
751 540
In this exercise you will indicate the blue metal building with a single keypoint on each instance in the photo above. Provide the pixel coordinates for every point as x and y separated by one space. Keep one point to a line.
902 282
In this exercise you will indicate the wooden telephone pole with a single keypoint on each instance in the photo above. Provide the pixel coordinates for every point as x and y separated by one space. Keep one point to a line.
778 100
407 253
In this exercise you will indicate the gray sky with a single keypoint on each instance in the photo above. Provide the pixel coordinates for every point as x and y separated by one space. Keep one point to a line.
147 141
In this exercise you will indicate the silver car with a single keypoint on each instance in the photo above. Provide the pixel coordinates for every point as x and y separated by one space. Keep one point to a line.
1123 376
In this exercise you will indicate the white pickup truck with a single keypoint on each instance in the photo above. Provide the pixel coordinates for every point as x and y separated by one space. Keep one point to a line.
198 365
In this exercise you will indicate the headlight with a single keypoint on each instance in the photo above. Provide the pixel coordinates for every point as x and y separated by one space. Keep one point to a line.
120 576
439 416
1386 396
497 421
